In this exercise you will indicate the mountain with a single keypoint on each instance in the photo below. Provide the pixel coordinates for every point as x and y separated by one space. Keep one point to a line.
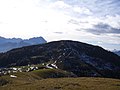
79 58
7 44
117 52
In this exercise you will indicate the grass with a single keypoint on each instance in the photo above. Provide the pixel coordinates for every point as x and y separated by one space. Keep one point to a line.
36 81
66 84
52 73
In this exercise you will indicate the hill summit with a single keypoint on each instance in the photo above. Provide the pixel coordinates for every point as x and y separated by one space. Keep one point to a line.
79 58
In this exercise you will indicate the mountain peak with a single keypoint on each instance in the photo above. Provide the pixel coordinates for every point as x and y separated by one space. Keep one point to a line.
117 52
7 44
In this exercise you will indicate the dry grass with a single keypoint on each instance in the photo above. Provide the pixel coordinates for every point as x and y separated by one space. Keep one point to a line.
34 81
83 83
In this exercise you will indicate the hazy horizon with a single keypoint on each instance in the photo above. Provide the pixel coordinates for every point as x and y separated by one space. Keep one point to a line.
94 22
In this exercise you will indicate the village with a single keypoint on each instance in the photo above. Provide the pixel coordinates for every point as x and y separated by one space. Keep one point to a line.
11 70
28 68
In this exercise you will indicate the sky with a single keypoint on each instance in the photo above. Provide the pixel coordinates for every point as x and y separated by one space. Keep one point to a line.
91 21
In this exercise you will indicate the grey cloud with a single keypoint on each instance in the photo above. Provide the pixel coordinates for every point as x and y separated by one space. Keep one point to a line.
72 21
102 28
108 7
98 7
74 10
58 32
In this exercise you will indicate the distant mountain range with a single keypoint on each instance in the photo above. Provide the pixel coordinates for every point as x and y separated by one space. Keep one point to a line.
117 52
76 57
7 44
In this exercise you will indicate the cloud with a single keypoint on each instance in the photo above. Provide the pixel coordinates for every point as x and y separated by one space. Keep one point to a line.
82 20
1 22
60 4
97 7
112 20
70 9
72 21
108 7
58 32
102 28
82 10
77 22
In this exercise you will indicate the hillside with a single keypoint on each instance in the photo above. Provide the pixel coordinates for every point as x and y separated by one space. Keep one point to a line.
7 44
28 82
79 58
55 79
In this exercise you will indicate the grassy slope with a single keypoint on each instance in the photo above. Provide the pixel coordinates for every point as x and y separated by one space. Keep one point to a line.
65 84
35 81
